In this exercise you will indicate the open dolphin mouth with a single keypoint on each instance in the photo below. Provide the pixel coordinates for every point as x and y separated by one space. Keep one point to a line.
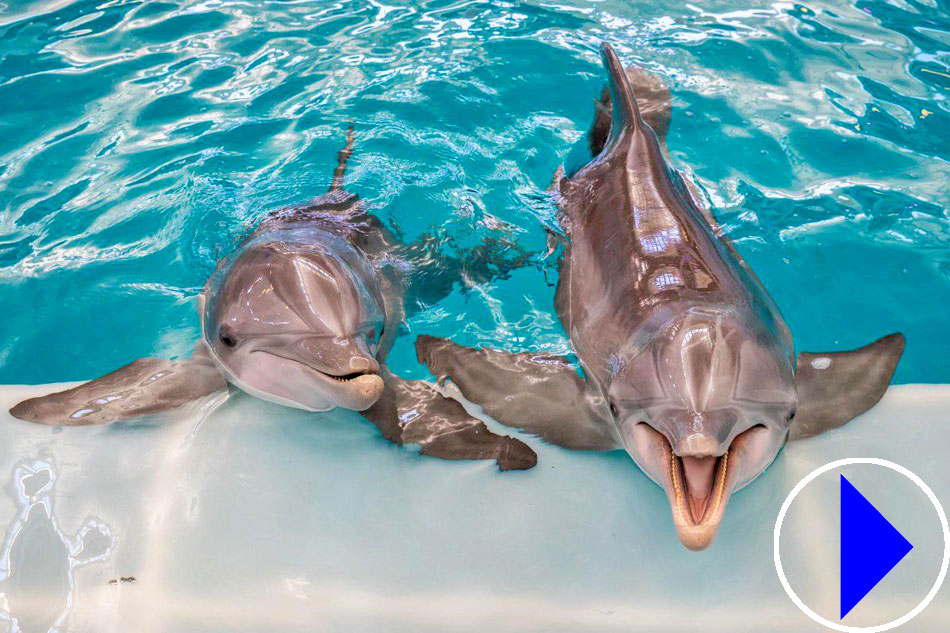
698 487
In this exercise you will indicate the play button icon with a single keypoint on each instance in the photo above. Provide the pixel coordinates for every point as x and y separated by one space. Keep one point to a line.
870 546
866 549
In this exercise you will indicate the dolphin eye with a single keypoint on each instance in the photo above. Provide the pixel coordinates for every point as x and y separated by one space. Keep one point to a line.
613 408
227 337
790 416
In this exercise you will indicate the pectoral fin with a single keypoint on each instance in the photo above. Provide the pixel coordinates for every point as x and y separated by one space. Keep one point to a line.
147 385
539 393
836 387
412 412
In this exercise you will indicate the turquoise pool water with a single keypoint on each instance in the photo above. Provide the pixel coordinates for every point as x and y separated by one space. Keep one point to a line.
139 140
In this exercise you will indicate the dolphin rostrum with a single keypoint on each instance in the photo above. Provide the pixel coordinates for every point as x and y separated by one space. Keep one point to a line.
687 363
302 314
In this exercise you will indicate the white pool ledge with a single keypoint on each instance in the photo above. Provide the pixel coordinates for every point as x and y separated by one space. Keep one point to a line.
259 518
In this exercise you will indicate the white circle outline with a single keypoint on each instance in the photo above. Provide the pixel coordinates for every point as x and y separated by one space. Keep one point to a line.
876 462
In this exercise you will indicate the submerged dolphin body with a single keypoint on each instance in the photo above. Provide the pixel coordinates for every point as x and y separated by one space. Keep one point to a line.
302 314
687 363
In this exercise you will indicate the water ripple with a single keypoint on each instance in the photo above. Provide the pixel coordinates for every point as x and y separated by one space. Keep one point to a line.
138 140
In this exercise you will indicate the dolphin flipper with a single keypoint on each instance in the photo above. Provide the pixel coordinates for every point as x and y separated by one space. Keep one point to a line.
412 412
539 393
837 387
147 385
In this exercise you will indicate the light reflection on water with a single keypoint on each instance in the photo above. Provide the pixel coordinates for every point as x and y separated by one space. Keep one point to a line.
141 140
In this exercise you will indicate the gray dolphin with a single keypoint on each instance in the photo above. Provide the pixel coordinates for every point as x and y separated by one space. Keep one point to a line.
303 314
687 363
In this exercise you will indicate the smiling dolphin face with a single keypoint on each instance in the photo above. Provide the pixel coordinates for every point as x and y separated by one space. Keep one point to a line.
673 330
687 362
703 408
295 318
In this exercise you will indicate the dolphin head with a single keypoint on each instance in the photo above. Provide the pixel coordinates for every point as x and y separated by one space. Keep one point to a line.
295 319
703 408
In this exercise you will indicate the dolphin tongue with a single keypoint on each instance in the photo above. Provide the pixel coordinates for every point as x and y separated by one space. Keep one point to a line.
699 473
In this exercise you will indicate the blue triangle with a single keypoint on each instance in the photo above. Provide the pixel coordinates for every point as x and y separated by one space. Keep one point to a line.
870 546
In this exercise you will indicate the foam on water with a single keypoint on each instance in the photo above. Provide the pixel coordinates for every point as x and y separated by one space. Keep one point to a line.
256 517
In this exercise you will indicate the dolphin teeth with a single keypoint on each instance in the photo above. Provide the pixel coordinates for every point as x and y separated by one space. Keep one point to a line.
693 509
347 377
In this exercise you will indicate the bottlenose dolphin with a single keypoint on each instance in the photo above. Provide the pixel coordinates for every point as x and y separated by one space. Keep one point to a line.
303 314
687 363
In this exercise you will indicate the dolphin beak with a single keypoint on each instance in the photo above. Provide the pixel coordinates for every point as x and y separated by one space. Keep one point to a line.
698 486
342 372
364 391
342 357
360 387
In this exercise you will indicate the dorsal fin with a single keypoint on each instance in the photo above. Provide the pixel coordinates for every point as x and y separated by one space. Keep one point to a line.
626 112
337 183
